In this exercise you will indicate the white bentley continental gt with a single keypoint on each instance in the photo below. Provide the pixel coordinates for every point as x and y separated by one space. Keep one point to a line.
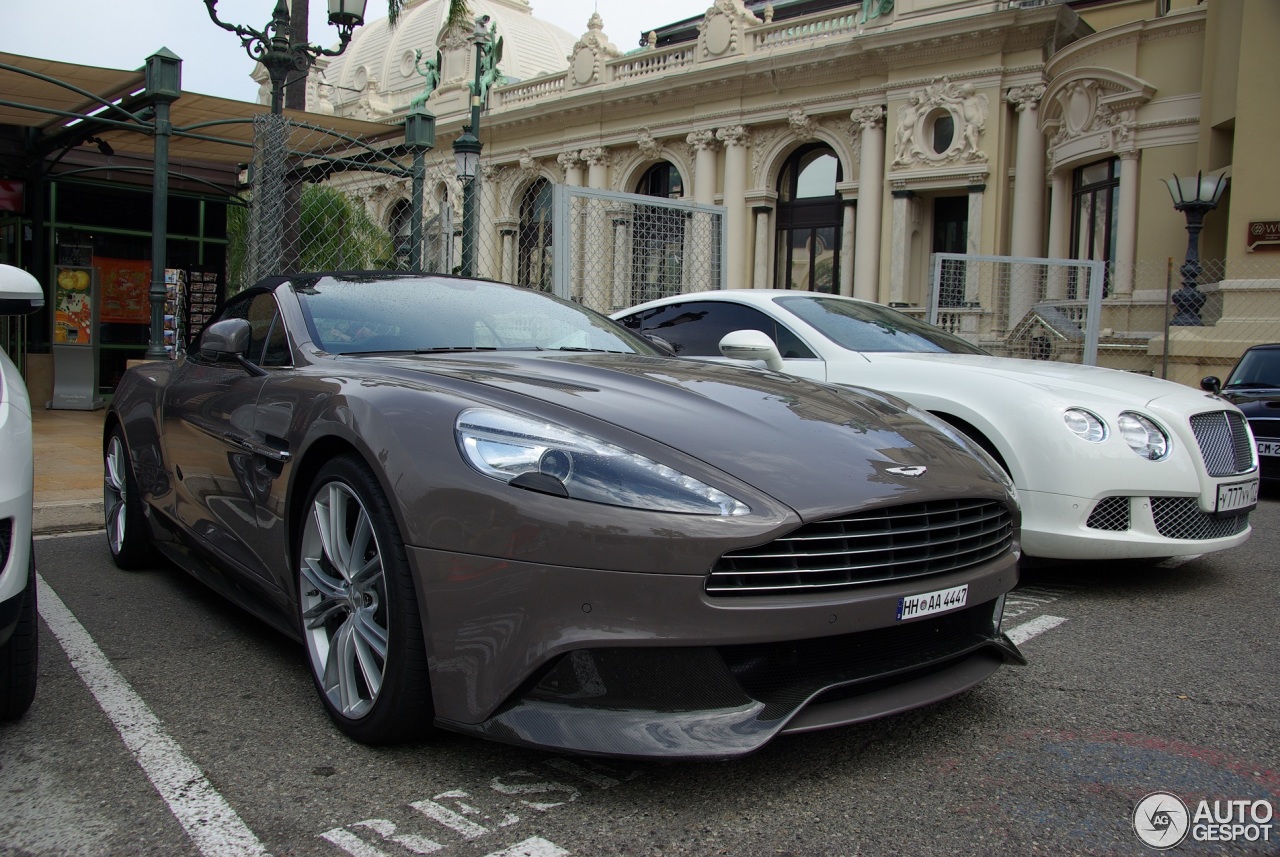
1107 464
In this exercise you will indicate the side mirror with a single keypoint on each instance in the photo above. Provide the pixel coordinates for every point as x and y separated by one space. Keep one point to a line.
751 345
661 344
226 339
1211 384
20 293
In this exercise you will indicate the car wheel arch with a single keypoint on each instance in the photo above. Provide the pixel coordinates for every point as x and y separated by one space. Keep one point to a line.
981 438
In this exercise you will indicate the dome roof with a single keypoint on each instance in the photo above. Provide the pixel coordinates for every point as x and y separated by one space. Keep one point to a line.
530 47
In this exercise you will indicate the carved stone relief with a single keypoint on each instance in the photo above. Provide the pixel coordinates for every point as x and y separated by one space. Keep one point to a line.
921 139
721 29
590 52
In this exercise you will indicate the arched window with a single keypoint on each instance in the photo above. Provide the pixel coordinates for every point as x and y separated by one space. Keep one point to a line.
808 237
1095 200
657 236
534 253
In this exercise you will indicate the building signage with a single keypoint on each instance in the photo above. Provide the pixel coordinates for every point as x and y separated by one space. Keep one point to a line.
1263 235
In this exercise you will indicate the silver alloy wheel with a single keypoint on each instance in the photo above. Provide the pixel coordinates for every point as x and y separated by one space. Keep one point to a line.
115 492
344 600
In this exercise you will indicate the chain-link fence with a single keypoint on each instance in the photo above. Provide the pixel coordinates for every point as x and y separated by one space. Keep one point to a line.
321 201
1146 320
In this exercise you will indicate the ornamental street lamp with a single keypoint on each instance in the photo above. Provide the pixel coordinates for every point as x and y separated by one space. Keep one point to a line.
1195 197
419 138
467 148
279 54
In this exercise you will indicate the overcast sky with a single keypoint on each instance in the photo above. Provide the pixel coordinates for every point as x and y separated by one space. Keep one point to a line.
123 35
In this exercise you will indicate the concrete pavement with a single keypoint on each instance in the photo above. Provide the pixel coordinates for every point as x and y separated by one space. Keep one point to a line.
68 463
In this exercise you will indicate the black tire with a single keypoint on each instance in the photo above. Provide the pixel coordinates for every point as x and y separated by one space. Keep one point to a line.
362 631
122 508
19 656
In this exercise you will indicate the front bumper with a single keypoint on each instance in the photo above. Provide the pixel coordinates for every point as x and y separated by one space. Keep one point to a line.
644 665
1060 526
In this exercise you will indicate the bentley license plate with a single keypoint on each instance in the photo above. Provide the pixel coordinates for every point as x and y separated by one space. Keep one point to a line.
1237 496
915 606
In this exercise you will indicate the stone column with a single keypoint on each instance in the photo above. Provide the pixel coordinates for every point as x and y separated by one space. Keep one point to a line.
901 244
698 241
509 251
1127 228
1028 187
597 159
848 234
703 144
487 259
764 237
571 163
1059 233
866 257
735 139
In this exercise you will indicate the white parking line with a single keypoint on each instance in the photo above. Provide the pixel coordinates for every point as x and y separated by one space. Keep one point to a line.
1035 627
208 819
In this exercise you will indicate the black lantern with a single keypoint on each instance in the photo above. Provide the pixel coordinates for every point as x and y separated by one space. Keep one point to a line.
1195 196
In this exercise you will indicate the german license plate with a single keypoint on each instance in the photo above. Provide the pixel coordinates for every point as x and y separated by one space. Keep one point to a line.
1269 447
915 606
1237 497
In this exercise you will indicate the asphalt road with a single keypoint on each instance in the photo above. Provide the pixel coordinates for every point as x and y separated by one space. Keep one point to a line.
168 722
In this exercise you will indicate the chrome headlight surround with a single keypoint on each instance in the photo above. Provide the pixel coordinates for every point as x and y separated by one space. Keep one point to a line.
508 447
1085 425
1144 436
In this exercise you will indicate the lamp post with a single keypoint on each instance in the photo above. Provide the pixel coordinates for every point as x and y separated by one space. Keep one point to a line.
1195 197
164 86
279 54
466 152
419 137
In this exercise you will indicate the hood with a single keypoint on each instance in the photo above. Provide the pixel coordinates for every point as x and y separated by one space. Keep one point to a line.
1255 401
817 448
1072 380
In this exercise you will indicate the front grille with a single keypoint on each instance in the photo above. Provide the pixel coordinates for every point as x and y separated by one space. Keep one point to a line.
1182 518
1224 442
869 547
1111 513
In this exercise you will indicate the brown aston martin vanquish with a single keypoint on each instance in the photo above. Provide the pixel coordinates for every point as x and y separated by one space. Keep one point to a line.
486 509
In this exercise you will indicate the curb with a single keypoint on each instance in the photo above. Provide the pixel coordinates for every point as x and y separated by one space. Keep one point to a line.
66 516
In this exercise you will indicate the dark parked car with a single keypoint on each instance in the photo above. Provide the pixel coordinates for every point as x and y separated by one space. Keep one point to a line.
1254 387
486 509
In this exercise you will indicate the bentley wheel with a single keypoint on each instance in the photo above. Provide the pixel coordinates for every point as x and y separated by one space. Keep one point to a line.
19 653
127 534
359 613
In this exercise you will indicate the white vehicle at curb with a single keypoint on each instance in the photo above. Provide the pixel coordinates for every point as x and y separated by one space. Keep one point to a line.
1107 464
19 294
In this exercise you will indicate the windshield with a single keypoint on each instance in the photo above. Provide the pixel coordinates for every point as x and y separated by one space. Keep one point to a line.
861 326
1259 367
425 314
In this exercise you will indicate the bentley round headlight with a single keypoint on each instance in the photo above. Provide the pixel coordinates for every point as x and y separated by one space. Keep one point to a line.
1085 425
1143 436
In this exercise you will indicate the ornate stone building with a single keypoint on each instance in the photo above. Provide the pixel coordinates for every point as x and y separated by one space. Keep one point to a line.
850 142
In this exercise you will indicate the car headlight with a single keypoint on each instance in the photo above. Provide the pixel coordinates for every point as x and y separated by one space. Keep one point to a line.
546 457
1085 425
1143 436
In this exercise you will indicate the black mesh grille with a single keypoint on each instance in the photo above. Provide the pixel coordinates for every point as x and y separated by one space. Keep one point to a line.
1182 518
784 675
1111 513
1224 442
869 547
6 540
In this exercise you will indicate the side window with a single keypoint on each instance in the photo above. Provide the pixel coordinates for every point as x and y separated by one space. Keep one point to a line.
269 345
695 328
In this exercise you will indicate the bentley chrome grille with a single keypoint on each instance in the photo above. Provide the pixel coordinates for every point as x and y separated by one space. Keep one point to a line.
1223 437
1182 518
868 547
1111 513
